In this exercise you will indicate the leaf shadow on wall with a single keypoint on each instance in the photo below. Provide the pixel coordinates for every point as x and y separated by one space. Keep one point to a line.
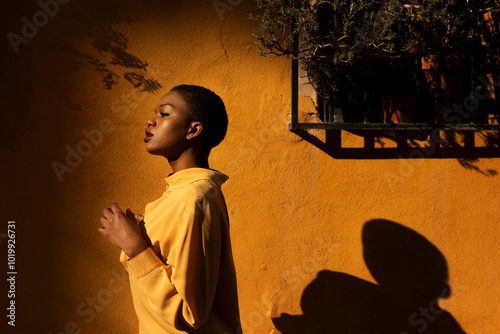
114 58
412 276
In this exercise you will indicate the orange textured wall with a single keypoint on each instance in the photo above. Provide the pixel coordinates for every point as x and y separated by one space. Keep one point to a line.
322 237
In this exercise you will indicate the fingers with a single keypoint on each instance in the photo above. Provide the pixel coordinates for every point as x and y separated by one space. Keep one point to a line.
101 230
107 213
104 222
115 208
107 218
113 215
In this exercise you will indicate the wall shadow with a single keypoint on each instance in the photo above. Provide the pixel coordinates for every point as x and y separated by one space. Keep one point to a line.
452 144
412 276
114 57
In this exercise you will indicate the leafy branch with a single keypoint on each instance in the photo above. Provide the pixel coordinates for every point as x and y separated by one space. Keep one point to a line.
334 37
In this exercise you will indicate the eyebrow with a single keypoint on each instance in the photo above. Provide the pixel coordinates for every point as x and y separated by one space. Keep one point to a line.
162 105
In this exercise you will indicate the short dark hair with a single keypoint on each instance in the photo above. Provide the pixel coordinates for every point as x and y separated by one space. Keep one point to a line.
206 107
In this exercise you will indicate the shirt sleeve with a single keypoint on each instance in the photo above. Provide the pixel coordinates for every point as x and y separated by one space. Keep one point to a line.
181 291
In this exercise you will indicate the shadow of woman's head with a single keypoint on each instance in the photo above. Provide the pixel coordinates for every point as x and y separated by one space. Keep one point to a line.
411 275
403 261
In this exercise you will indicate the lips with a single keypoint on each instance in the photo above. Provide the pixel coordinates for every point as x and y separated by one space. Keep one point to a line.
148 136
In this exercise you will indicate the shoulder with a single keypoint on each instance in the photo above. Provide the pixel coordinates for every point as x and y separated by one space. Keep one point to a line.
198 193
206 189
199 203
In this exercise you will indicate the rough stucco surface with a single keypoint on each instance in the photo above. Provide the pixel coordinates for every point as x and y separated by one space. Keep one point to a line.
297 214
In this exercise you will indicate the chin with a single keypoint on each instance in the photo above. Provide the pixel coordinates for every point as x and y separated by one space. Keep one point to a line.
160 153
152 151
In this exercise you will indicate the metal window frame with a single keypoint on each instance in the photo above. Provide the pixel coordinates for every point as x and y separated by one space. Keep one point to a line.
296 125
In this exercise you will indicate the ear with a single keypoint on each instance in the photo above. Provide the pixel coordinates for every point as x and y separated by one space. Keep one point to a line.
194 130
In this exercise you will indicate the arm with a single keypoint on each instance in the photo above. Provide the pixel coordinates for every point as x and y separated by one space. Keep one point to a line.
182 290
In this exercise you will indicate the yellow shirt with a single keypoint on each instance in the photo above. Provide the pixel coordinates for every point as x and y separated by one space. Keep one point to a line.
186 281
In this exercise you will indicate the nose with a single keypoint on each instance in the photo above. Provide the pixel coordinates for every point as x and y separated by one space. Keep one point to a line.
152 121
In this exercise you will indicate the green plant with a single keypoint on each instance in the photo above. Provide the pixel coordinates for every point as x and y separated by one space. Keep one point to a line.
344 43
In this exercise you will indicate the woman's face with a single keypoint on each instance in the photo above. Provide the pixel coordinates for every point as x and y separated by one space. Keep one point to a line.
167 130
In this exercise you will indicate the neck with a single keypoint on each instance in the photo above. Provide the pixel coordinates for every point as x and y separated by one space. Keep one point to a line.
190 158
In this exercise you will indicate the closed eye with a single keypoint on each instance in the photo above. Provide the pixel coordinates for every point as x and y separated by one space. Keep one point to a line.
163 114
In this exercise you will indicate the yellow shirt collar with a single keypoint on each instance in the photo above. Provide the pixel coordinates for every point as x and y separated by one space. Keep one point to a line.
190 175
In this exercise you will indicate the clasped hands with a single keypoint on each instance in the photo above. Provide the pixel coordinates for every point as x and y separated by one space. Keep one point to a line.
124 230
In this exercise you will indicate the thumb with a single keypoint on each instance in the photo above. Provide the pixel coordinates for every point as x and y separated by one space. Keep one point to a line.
134 216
